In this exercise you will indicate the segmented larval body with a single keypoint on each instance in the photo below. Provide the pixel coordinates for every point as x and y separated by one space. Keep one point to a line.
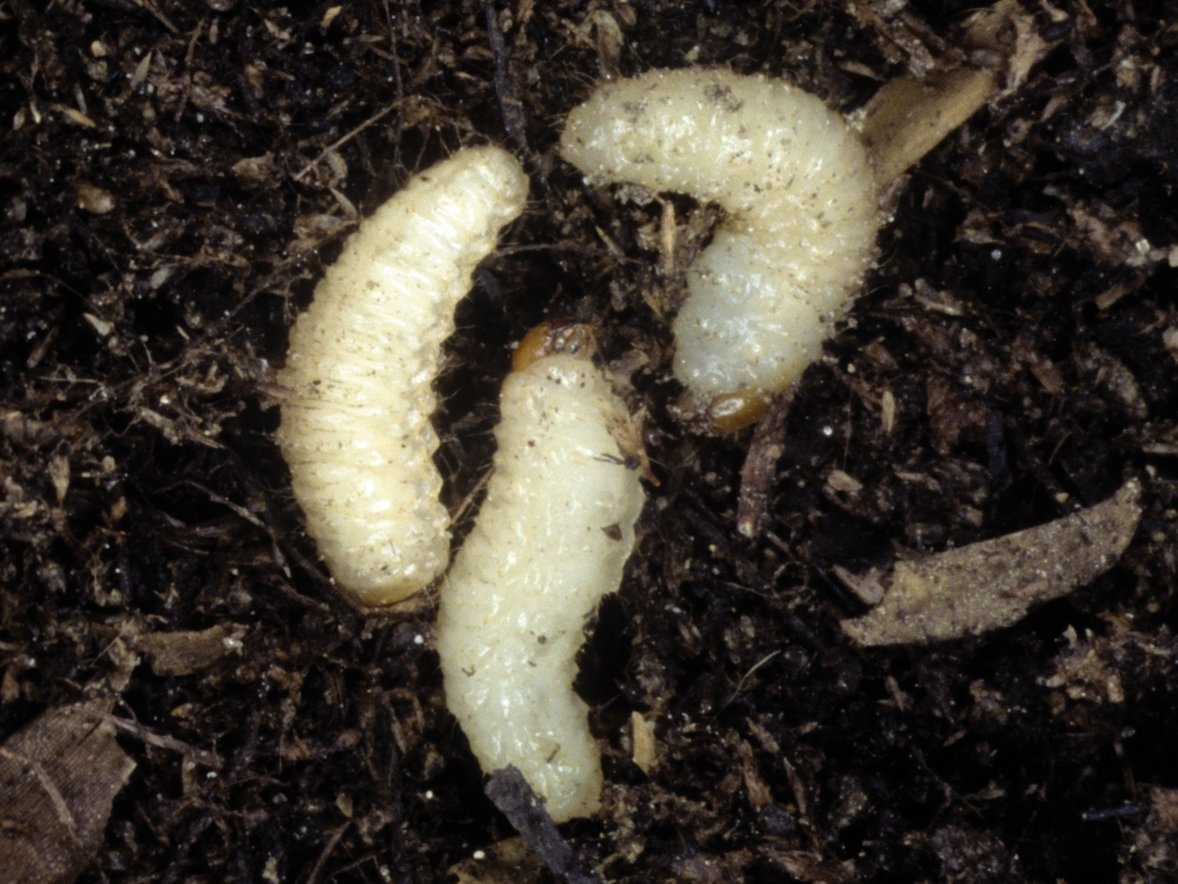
356 426
552 539
801 203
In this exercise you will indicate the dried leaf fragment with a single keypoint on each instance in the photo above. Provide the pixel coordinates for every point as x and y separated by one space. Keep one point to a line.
908 117
992 584
645 748
911 115
59 776
183 653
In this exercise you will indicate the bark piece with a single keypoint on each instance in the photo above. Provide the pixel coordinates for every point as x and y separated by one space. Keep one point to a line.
510 792
992 584
760 467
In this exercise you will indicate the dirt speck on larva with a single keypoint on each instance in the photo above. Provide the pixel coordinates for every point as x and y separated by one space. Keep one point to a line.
1011 359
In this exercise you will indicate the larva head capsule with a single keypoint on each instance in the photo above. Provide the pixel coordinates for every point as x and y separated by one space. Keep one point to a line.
730 412
555 336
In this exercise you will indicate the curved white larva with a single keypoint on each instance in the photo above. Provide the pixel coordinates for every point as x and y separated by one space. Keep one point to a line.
356 421
552 538
802 206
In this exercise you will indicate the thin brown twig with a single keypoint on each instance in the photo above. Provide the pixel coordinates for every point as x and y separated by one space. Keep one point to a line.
344 139
328 849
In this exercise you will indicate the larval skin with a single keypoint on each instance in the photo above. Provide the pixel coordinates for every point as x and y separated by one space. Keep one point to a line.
802 212
356 429
552 539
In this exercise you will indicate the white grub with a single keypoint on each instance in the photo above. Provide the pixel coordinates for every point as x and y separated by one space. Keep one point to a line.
552 539
802 212
356 418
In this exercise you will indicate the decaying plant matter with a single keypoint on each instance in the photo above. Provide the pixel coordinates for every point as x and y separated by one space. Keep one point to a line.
993 583
176 178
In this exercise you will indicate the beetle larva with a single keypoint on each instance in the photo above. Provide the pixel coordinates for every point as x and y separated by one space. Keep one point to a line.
552 538
802 213
356 418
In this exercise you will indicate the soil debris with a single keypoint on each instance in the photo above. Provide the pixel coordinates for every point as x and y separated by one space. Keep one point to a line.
175 177
188 652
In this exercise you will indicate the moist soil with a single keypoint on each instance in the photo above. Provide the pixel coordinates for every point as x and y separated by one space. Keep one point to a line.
175 177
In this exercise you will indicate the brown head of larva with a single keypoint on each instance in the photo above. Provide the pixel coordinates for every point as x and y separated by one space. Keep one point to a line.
729 412
555 336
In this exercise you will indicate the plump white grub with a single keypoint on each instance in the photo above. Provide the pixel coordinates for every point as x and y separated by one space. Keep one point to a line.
802 212
356 418
552 538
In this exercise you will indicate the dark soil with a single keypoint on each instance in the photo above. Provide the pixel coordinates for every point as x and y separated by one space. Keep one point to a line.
175 176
